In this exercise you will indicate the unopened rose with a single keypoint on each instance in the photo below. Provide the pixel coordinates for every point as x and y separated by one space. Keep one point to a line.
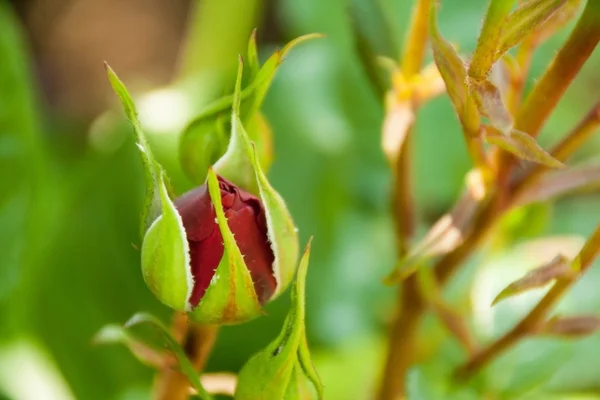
246 220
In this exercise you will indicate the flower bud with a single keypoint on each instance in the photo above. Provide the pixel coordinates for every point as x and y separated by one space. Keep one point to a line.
221 250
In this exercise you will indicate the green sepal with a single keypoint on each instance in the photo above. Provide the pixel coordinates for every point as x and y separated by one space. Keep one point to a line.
151 208
241 165
197 151
283 370
230 297
165 253
125 335
166 256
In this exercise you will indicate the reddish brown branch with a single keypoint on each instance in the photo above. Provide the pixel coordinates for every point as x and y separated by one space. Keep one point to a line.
530 324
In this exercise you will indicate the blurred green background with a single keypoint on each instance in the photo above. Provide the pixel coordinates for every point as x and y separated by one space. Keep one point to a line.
71 187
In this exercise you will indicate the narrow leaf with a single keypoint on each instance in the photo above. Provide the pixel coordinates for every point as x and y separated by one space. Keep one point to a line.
253 63
526 19
151 207
558 268
558 20
173 346
571 327
562 182
490 104
523 146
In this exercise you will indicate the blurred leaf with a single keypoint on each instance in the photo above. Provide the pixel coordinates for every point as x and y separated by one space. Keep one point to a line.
202 140
559 183
490 104
571 327
523 146
525 20
561 17
559 268
172 346
144 352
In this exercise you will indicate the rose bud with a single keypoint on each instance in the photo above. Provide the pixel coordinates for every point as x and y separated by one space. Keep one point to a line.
220 251
246 220
283 370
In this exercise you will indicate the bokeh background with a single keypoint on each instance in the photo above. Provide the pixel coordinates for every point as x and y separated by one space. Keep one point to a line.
71 186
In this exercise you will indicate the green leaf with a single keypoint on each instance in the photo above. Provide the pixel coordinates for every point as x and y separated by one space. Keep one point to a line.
488 99
230 297
151 207
529 17
115 334
523 146
166 256
283 369
558 268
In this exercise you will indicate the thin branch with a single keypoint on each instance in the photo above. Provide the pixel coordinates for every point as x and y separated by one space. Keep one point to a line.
538 314
412 59
402 339
566 65
519 76
197 341
416 39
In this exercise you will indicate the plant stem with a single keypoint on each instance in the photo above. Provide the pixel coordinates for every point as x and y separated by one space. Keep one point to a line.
538 314
414 44
402 341
563 69
517 80
197 341
410 305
